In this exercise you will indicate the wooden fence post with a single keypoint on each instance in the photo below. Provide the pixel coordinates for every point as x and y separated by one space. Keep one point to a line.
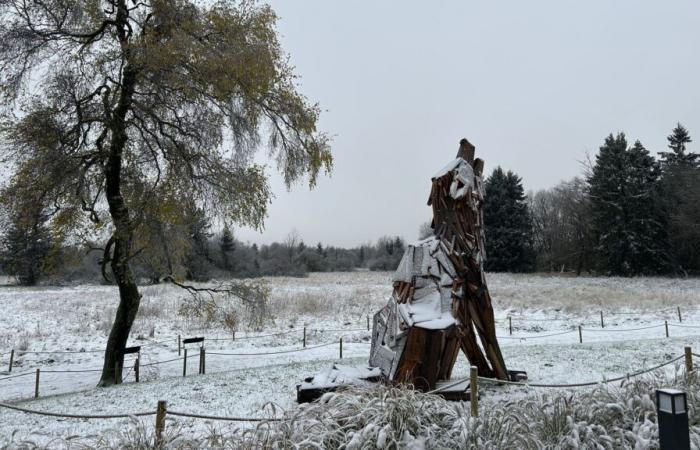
201 360
580 335
368 322
510 325
602 324
341 348
204 361
304 338
36 383
137 367
12 359
688 359
160 421
666 325
473 392
179 345
680 318
184 364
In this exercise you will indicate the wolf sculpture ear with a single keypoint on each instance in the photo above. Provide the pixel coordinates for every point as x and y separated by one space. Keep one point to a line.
466 151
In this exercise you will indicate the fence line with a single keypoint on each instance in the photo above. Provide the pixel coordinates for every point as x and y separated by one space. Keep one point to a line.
273 353
621 330
537 336
161 411
560 385
521 338
498 320
76 416
230 419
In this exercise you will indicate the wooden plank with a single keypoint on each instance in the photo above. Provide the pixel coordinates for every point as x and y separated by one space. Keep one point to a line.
130 350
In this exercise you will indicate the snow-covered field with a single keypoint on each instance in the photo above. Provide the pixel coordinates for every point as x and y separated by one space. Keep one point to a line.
546 312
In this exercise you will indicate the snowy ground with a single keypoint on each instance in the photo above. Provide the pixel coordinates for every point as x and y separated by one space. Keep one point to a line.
76 319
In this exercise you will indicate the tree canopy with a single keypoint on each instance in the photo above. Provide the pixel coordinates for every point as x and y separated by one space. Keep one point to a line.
117 111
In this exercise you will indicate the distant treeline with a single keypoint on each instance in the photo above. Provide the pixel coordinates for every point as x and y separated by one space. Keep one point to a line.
30 255
628 214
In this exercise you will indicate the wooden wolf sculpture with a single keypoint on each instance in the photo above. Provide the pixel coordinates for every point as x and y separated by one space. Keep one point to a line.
440 300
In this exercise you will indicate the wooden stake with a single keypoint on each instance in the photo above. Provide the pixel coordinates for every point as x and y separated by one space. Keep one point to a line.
510 325
201 360
160 421
680 318
688 359
602 324
341 348
666 325
473 393
179 345
136 368
12 359
36 383
204 361
184 364
368 323
580 335
304 338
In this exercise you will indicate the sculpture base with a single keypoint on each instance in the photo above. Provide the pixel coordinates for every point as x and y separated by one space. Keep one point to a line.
340 377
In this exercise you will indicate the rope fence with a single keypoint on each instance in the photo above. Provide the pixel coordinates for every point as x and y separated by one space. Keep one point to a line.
138 364
510 319
162 411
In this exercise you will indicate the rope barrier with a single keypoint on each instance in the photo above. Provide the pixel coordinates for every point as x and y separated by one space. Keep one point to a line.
621 330
241 338
537 336
273 353
237 338
17 376
571 385
338 330
683 326
76 416
72 371
161 362
230 419
57 352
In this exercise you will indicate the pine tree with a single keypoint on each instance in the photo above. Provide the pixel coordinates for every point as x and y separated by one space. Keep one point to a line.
680 191
677 140
198 260
508 224
626 219
227 245
25 247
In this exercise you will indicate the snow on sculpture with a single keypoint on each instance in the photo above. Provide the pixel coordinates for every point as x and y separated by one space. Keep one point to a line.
440 300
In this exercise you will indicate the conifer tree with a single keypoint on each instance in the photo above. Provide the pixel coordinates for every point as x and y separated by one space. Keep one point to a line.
680 193
25 247
677 141
626 219
508 224
227 246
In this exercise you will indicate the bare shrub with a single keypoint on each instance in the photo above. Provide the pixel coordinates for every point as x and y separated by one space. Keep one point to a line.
23 342
228 304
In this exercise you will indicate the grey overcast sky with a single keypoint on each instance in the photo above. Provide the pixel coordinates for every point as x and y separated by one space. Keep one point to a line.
535 85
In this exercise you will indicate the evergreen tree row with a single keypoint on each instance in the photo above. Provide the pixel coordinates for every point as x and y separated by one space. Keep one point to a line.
631 214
